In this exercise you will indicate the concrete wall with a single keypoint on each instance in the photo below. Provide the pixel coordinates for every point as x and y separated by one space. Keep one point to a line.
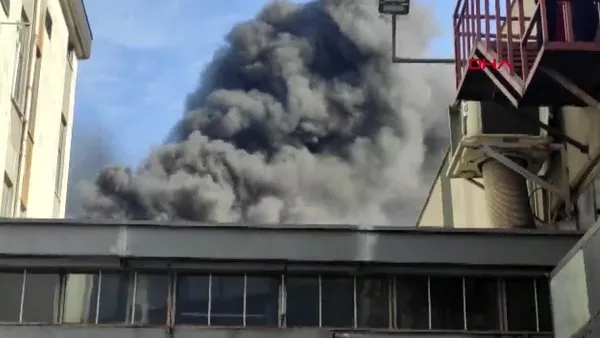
455 203
36 169
575 288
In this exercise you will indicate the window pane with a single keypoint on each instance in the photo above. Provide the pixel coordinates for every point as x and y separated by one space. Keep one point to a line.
372 301
412 307
116 294
40 301
11 285
482 304
81 295
262 301
520 305
447 303
544 305
192 300
151 296
337 297
227 302
302 299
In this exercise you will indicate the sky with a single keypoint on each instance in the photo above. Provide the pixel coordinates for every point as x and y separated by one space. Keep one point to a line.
148 54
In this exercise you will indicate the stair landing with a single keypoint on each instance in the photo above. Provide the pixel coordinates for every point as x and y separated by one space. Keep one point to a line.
581 66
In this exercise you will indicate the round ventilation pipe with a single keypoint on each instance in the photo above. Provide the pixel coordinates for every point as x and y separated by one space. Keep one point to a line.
507 196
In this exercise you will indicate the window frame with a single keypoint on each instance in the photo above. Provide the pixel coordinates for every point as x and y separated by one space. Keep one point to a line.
93 292
21 62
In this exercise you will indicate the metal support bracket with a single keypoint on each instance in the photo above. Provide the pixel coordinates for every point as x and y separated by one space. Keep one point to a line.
562 190
475 183
571 87
583 148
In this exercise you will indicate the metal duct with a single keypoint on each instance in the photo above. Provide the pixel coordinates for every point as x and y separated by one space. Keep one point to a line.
507 196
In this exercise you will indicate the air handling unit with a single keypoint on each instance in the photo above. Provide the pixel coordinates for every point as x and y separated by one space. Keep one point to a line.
506 147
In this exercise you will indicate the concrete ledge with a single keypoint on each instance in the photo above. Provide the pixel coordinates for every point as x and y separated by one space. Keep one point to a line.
80 32
300 243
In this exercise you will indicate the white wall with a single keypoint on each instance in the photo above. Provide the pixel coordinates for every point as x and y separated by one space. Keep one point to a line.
8 34
41 197
466 201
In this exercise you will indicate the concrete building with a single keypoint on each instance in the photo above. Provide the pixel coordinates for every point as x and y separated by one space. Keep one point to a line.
523 275
461 202
70 279
42 41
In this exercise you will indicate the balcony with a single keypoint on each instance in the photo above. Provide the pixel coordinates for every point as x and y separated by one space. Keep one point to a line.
550 44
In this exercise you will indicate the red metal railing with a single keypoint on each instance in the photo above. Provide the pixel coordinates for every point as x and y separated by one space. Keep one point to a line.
484 23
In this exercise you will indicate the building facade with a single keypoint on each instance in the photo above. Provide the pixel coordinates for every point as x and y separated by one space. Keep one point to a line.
141 279
42 41
458 202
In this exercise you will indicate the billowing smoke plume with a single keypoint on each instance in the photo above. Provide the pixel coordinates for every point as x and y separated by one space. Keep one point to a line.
302 117
87 139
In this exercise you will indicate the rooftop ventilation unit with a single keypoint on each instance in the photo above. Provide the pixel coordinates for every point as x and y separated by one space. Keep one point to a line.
516 131
506 147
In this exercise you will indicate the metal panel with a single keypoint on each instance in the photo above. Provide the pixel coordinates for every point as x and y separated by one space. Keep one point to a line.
284 243
591 253
122 332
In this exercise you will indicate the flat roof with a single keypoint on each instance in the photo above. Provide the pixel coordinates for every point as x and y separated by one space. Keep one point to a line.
283 243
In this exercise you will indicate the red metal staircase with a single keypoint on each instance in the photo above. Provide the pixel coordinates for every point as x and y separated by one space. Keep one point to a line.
544 73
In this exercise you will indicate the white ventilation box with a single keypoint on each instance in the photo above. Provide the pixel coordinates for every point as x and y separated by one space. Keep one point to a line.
474 123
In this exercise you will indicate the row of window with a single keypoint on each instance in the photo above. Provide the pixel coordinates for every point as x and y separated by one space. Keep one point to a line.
402 302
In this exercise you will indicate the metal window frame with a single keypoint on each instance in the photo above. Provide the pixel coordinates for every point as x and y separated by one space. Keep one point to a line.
22 64
133 279
58 294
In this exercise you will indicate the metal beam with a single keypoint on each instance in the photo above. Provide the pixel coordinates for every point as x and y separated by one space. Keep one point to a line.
397 59
422 60
300 244
571 87
519 169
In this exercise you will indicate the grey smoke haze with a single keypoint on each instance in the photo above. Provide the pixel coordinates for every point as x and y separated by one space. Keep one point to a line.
91 151
301 117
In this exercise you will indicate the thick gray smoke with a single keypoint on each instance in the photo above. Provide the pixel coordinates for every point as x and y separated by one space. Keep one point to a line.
302 117
87 139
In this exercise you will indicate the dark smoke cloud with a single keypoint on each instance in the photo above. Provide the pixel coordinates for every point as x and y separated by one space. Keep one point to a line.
300 118
91 151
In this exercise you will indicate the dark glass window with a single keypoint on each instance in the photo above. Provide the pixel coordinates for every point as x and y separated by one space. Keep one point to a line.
482 304
41 297
447 312
520 304
227 301
302 301
48 24
262 301
412 307
151 296
192 299
544 305
11 286
337 297
116 292
372 302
